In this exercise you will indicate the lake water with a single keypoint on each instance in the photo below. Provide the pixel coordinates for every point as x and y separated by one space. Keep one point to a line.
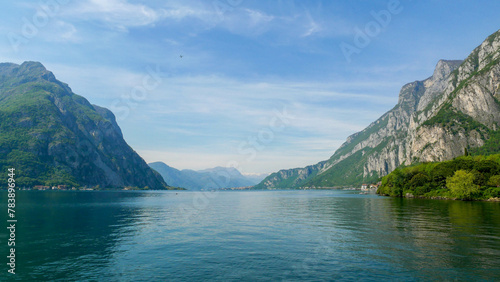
249 236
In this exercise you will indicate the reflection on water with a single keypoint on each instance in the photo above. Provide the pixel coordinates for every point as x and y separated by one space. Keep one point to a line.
279 235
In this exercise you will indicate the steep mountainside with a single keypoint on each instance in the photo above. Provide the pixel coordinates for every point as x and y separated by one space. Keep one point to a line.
213 178
52 136
435 119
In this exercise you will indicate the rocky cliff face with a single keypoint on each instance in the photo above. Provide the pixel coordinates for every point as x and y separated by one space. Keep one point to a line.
53 136
435 119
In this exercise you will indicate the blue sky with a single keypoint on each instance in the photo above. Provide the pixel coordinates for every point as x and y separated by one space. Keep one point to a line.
261 85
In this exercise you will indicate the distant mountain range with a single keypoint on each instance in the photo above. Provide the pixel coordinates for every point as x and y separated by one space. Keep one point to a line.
52 136
436 119
213 178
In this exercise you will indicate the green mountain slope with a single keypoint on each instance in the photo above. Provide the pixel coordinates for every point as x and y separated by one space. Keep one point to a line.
52 136
435 119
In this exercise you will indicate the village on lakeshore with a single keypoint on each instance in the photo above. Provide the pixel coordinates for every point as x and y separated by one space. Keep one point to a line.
370 187
69 188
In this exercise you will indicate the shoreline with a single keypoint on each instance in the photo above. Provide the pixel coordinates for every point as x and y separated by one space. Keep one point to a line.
411 196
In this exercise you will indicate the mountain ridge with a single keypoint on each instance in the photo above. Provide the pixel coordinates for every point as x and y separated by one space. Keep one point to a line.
434 120
212 178
52 136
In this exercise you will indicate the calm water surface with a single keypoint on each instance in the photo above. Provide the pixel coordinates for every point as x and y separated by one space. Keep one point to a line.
249 236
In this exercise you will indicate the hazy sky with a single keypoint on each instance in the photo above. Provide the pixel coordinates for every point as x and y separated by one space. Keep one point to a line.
264 85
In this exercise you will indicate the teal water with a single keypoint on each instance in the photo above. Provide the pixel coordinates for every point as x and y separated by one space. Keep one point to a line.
249 236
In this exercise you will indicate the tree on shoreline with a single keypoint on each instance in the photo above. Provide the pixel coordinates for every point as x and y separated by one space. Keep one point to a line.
461 185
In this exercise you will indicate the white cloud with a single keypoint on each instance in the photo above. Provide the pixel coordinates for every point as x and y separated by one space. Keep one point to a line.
61 31
171 42
312 27
68 31
121 14
258 17
244 21
118 12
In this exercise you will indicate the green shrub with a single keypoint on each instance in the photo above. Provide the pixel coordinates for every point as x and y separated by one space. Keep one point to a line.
487 168
418 180
492 193
494 181
479 178
462 186
421 190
